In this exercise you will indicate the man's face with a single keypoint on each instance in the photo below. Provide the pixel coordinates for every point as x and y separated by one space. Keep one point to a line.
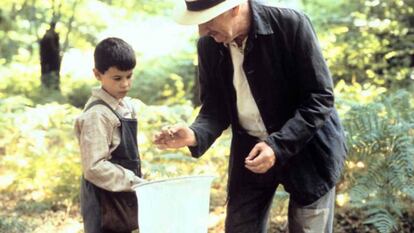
116 82
220 28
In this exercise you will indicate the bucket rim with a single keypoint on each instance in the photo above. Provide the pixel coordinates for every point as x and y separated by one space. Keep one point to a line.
134 187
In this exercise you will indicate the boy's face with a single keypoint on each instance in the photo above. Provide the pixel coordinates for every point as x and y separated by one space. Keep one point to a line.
116 82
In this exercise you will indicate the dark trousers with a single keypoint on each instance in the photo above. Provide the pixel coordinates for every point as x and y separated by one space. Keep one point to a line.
248 211
91 210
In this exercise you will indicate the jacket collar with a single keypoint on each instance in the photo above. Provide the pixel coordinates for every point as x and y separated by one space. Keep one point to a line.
260 25
260 20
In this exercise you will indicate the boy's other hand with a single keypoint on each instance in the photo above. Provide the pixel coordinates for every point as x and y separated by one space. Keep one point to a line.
172 137
141 180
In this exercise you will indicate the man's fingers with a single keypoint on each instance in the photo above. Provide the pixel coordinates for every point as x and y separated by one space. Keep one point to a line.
166 128
254 158
263 160
257 169
253 153
157 137
174 129
168 143
167 133
173 137
258 160
161 146
160 141
171 131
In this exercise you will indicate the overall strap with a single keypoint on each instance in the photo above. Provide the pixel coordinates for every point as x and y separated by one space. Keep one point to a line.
99 101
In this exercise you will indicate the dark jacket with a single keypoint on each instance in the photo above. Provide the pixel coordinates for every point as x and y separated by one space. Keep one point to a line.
293 89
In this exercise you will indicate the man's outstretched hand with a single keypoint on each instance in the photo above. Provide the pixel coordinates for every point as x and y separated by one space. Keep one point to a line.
172 137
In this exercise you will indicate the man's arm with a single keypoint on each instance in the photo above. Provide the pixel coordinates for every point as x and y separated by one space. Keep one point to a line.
315 84
212 118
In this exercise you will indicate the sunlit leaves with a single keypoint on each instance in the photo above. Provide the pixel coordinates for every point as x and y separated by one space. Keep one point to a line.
379 37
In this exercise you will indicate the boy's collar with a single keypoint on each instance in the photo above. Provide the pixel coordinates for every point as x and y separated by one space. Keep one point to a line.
100 93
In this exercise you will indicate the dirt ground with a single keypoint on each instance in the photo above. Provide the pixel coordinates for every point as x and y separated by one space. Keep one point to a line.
17 216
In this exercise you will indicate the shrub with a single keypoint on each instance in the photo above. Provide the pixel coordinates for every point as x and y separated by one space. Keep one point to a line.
38 150
79 94
13 225
380 166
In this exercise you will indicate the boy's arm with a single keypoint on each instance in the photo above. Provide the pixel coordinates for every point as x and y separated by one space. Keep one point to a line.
94 131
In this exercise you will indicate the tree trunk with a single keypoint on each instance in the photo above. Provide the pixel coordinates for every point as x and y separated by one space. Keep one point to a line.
196 89
50 59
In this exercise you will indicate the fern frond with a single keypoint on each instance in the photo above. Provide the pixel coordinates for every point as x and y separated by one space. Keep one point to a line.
381 135
382 220
409 191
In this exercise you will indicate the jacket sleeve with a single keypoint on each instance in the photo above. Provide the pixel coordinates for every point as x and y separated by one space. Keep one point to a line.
314 82
212 118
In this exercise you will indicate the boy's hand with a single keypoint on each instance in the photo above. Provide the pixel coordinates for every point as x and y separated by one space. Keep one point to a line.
141 180
172 137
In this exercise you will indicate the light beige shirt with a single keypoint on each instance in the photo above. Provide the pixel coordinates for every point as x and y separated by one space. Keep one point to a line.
247 110
98 134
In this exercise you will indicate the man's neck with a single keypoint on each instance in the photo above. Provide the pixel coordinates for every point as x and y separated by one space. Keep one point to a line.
244 24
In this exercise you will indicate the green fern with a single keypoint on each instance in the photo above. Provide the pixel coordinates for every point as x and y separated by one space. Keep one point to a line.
380 135
383 220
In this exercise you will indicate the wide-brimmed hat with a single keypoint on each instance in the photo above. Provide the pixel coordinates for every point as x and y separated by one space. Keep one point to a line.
194 12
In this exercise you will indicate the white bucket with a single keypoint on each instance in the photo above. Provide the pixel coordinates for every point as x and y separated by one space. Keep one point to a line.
177 205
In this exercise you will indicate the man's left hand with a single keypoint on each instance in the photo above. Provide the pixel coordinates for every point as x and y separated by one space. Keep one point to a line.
261 158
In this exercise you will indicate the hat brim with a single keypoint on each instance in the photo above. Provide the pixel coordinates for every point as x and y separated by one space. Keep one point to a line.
186 17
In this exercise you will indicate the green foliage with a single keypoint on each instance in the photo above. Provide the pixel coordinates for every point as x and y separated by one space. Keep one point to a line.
23 81
23 23
17 79
165 80
39 154
348 95
77 92
26 21
32 207
381 158
150 7
367 41
79 95
382 220
13 225
280 204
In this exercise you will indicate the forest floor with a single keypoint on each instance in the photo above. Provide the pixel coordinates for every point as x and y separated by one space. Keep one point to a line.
17 216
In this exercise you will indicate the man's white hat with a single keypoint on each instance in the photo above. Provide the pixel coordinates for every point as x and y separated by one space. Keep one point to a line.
194 12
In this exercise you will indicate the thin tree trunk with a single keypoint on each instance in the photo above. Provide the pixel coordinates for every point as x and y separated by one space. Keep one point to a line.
50 59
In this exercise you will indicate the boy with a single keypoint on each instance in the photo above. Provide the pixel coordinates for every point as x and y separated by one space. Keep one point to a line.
107 135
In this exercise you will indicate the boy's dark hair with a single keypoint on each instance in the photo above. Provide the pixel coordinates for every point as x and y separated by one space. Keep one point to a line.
113 51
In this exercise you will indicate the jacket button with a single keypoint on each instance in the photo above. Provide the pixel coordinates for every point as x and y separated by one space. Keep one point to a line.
249 72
